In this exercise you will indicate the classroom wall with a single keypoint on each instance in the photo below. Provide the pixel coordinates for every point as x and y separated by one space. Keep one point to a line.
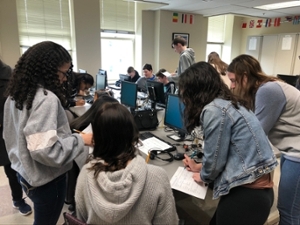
153 36
157 38
9 35
87 48
285 27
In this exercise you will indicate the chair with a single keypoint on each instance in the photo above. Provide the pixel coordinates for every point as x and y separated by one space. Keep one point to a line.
72 220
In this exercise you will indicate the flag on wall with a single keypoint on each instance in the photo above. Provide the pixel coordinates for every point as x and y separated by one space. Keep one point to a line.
244 25
187 18
296 20
251 24
175 17
191 19
258 23
183 18
268 22
277 22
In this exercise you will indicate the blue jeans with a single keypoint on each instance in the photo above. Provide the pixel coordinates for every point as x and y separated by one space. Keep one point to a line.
48 199
289 192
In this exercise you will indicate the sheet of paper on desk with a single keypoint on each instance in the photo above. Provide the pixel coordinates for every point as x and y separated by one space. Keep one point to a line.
153 143
183 181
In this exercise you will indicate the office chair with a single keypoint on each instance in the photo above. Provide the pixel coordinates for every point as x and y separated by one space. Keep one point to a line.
72 220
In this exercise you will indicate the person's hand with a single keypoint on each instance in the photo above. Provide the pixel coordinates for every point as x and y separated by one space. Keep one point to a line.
197 178
191 165
87 138
173 74
80 102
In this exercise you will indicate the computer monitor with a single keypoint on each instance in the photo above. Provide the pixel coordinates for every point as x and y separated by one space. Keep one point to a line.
174 117
124 77
101 81
156 92
290 79
129 94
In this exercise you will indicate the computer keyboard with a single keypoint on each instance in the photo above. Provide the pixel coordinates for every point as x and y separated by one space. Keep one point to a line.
146 135
141 95
151 141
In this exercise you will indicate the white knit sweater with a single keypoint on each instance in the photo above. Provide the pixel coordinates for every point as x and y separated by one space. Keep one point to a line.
138 194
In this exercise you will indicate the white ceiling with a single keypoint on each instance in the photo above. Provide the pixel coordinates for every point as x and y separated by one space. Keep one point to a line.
219 7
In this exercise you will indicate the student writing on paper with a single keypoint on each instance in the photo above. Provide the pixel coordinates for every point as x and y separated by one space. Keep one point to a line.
237 155
117 186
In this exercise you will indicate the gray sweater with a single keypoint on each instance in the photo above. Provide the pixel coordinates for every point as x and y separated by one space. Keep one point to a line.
39 142
138 194
277 107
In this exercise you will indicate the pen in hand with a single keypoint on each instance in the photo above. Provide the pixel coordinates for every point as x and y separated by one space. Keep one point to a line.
78 131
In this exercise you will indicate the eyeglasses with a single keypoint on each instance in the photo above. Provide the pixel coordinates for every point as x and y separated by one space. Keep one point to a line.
66 74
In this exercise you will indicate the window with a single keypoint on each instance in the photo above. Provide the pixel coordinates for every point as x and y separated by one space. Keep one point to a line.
214 48
117 56
117 16
117 37
41 20
215 34
216 29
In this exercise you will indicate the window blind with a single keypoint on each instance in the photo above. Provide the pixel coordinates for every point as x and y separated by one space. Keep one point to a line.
41 20
216 29
117 16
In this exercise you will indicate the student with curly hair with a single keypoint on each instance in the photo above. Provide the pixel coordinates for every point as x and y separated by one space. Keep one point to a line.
117 186
37 135
237 155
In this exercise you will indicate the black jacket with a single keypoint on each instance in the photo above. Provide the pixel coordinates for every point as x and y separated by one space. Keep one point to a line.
5 73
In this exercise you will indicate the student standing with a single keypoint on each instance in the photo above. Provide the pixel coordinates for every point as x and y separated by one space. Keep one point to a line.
237 155
37 136
214 60
186 58
15 187
117 186
277 107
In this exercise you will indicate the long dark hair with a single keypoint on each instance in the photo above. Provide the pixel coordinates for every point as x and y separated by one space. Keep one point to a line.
199 85
115 137
81 122
82 77
247 67
38 66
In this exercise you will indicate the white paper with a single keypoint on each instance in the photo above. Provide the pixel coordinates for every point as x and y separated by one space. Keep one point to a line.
286 43
252 44
167 74
89 129
183 181
153 143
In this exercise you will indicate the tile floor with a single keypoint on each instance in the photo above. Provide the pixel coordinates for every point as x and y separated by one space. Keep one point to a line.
9 215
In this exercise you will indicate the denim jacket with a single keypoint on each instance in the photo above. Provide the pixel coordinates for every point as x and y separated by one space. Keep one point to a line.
236 149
